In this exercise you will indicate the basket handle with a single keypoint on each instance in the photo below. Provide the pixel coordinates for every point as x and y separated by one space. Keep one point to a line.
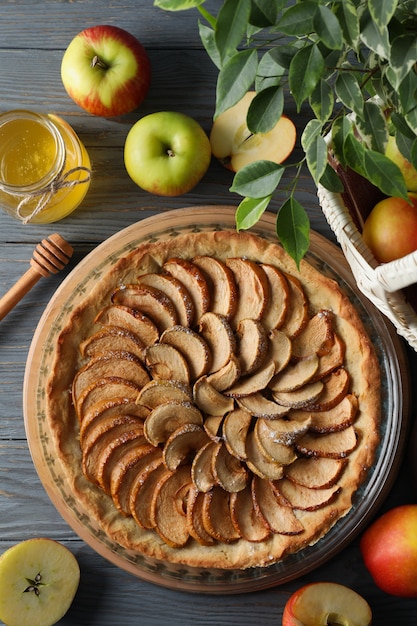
398 274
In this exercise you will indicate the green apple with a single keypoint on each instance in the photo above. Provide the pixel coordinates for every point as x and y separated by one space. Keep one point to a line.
390 230
235 146
106 71
325 603
167 153
389 550
408 170
38 581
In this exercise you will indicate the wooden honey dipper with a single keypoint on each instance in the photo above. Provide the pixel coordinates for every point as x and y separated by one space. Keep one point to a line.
49 256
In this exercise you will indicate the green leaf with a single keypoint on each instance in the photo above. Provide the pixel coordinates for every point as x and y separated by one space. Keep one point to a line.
331 181
232 21
305 72
298 19
376 39
316 156
373 128
403 56
258 179
207 39
384 174
341 129
349 22
177 5
265 110
354 154
348 91
250 211
328 28
382 11
407 92
311 131
235 79
269 72
263 13
293 229
322 101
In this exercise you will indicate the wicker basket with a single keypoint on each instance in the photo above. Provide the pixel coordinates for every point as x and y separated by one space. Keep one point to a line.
384 284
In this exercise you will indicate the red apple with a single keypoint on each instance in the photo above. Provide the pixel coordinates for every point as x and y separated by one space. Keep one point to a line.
390 230
324 603
106 71
389 550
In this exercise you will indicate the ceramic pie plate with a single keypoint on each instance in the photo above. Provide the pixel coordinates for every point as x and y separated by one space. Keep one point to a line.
328 259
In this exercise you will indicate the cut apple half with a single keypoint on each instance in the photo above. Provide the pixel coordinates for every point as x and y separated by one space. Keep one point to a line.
236 146
323 603
38 581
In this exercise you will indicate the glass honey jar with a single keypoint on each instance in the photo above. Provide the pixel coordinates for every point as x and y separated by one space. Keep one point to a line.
45 170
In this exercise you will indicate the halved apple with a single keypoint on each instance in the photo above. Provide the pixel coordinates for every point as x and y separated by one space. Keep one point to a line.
234 144
322 603
38 581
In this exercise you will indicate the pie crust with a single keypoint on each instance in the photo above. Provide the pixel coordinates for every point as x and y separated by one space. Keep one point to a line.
349 453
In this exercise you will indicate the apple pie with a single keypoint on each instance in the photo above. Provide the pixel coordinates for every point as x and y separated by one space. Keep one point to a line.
223 407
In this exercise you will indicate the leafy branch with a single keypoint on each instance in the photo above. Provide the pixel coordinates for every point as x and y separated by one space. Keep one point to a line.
352 62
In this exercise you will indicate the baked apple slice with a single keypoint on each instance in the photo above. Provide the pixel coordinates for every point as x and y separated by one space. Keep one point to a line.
164 362
217 516
333 359
295 375
213 426
118 455
222 285
337 418
253 287
169 506
316 473
283 431
317 336
279 294
165 418
260 462
260 406
246 518
280 349
274 508
134 321
112 338
105 389
123 475
104 409
297 311
335 388
209 400
252 345
202 473
254 383
218 335
175 291
193 347
228 471
236 427
335 445
183 444
226 376
113 363
304 498
158 392
142 492
194 281
278 451
195 525
148 300
302 398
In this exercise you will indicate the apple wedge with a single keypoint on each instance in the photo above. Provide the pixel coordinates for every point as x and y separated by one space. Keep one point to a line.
195 525
234 144
228 471
111 338
150 301
202 473
259 405
280 349
193 347
317 473
222 285
126 317
253 287
260 462
106 388
168 508
304 498
227 376
183 444
297 311
38 581
322 603
142 492
124 475
217 333
165 418
276 309
236 427
254 383
316 338
217 515
104 409
209 400
274 508
175 291
252 345
194 281
246 518
335 445
296 375
158 392
164 362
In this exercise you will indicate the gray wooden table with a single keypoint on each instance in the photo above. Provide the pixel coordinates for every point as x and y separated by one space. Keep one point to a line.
33 37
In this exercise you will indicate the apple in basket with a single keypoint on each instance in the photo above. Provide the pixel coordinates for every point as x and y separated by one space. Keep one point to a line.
408 170
235 146
390 230
389 550
38 581
323 603
106 71
167 153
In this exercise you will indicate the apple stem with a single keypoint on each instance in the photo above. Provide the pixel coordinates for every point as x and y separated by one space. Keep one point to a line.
96 61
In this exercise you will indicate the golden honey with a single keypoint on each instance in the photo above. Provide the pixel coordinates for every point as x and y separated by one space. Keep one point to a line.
45 170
